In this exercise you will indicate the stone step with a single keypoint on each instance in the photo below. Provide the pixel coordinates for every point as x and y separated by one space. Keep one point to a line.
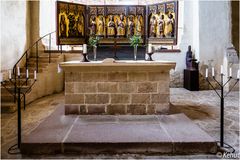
31 69
97 134
43 59
21 81
40 64
7 97
63 51
10 88
46 55
8 107
23 75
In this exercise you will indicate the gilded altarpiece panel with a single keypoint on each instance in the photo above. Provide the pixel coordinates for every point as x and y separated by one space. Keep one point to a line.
116 24
70 23
162 23
156 23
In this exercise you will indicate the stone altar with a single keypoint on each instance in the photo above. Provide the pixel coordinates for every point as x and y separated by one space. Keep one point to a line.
117 87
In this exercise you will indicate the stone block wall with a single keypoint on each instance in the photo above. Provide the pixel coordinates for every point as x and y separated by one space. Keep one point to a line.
116 92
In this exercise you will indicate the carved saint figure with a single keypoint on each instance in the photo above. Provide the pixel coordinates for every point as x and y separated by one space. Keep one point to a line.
63 26
71 26
111 27
130 26
191 62
170 26
161 26
121 26
100 26
138 26
93 26
153 24
80 26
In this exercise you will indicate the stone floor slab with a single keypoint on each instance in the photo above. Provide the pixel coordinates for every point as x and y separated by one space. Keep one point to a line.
185 135
47 137
117 134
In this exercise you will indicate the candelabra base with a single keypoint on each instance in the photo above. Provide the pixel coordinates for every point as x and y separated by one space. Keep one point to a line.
226 148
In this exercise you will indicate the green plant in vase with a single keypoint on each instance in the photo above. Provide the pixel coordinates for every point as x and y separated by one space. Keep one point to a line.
93 41
135 42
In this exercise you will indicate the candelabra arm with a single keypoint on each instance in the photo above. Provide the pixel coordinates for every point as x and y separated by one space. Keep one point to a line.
217 81
30 87
227 81
24 82
213 88
10 80
231 88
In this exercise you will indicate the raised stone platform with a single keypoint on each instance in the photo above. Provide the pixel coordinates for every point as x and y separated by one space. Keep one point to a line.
164 134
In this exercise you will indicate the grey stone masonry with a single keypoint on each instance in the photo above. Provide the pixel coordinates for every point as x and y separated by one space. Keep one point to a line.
116 92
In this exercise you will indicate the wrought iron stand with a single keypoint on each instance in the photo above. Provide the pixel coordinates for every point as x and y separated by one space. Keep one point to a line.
21 89
222 96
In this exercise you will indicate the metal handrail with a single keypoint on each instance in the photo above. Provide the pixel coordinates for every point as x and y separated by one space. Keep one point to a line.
27 59
31 48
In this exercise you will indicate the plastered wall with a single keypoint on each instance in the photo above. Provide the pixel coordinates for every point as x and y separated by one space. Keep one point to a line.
14 32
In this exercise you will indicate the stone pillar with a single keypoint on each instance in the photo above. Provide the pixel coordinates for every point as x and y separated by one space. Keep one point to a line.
34 9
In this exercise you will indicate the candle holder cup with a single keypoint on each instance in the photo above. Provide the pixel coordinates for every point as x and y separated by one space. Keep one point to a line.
85 58
150 56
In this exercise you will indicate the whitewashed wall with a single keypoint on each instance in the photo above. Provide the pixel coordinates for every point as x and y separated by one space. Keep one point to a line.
214 31
14 32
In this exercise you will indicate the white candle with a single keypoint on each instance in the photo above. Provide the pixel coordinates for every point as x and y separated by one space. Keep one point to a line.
35 75
1 77
206 72
18 71
149 48
230 72
213 74
59 69
238 74
221 69
27 73
10 74
84 48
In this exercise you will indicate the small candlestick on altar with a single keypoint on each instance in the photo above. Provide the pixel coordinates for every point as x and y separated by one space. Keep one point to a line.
149 48
84 48
213 74
230 72
10 74
35 75
206 73
221 71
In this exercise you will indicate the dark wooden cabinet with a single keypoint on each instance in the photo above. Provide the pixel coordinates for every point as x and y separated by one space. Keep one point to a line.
191 79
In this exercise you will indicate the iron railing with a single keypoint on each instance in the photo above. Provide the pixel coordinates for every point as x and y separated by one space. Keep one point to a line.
27 56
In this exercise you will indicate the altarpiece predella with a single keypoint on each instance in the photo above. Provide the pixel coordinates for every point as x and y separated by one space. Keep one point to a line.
156 23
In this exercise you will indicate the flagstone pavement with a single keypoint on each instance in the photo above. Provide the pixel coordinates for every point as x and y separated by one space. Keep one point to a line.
203 107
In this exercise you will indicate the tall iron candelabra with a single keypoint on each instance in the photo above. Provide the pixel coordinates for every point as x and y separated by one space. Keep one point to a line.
23 89
221 84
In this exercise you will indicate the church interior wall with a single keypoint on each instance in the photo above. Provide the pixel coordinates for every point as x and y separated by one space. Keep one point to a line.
14 32
198 25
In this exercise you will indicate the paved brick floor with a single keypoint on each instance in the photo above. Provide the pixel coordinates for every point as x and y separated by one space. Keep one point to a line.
201 106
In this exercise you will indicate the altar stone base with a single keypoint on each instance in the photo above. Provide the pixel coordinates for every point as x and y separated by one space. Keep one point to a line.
134 93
